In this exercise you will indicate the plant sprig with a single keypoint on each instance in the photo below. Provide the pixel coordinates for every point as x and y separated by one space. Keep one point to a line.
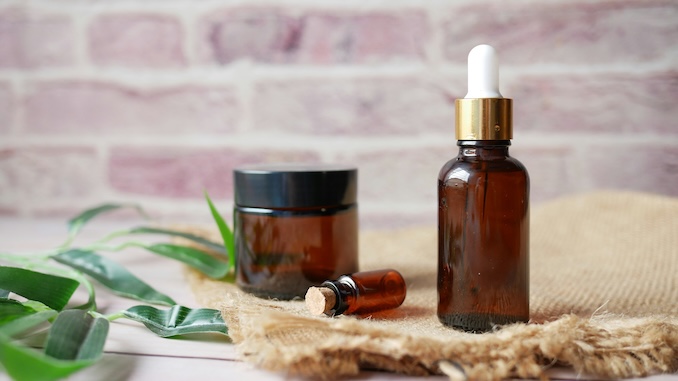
76 335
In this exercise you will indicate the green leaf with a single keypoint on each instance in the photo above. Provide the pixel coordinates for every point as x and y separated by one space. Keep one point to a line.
195 258
178 320
4 294
112 275
17 317
226 233
27 323
200 240
52 290
76 335
76 223
11 310
37 306
25 364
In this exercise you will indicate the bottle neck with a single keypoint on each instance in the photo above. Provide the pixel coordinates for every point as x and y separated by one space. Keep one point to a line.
345 291
484 149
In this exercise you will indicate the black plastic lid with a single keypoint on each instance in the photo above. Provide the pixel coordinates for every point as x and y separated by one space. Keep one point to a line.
295 186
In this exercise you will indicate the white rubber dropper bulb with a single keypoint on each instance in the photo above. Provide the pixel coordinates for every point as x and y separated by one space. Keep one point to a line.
483 73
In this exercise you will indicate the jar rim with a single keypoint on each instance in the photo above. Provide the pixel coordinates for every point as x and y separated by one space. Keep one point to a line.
295 185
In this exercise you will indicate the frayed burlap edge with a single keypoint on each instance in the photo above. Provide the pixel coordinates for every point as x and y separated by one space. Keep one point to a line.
603 346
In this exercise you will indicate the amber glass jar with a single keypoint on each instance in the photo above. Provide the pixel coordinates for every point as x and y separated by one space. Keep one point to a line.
295 227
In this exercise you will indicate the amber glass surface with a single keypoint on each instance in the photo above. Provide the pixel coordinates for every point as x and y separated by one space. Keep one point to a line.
483 238
283 253
369 291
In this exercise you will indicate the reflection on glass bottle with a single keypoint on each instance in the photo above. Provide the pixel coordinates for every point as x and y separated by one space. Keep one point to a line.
483 222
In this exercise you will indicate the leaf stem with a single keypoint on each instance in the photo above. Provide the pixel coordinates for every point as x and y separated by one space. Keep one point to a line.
114 316
30 257
69 240
18 259
120 247
113 235
91 304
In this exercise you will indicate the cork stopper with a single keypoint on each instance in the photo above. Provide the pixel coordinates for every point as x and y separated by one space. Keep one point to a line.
320 300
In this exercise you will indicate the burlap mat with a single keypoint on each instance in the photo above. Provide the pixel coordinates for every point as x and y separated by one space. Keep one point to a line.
604 300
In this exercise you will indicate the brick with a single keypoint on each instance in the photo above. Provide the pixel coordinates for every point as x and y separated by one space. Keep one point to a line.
640 167
266 35
273 35
569 33
6 108
364 38
31 40
186 173
409 176
364 106
93 107
401 177
550 169
38 174
136 40
623 103
8 212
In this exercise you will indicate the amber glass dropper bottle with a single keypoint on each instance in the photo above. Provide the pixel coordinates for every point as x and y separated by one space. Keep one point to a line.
358 293
483 211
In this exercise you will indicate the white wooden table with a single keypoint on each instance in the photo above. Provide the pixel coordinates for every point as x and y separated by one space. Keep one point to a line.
134 353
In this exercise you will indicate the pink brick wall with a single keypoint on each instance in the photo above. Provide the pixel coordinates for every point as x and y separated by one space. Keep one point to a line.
155 101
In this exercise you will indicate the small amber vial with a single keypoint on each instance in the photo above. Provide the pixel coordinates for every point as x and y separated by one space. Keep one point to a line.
295 226
358 293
